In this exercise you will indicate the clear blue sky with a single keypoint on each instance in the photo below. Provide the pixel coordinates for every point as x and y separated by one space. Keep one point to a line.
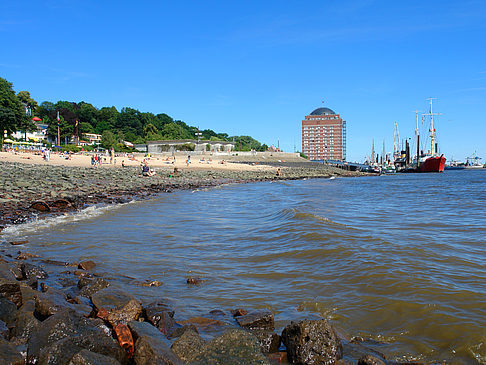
258 67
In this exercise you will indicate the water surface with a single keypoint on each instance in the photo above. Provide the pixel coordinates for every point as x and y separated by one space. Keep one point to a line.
398 259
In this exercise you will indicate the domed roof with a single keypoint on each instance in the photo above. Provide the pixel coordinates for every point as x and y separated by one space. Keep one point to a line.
322 111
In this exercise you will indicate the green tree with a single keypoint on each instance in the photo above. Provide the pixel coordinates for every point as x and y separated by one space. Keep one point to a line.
28 101
45 109
11 110
175 131
108 139
150 129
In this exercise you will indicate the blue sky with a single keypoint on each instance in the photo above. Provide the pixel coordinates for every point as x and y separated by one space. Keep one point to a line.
258 67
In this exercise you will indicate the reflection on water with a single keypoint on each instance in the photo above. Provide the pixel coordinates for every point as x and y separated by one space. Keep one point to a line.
399 259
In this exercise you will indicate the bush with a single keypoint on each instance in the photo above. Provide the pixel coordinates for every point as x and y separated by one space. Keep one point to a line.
303 156
70 148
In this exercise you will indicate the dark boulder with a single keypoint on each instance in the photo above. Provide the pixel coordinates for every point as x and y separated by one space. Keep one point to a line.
179 331
64 334
86 357
161 315
86 265
89 286
188 345
41 206
9 354
30 271
4 332
312 342
269 341
259 319
10 289
25 321
239 312
6 272
235 346
118 307
7 311
53 301
151 346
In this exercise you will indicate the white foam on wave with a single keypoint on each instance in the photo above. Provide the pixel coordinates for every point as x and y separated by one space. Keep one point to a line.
36 225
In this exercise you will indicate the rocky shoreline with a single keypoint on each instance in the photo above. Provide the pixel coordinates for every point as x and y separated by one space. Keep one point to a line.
68 313
32 191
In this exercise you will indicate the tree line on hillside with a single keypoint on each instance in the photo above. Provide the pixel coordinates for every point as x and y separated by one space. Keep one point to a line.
76 119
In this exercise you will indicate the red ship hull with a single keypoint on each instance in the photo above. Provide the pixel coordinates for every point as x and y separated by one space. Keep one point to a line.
433 164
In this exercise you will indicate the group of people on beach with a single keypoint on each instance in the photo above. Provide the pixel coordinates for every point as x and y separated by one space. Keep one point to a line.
96 160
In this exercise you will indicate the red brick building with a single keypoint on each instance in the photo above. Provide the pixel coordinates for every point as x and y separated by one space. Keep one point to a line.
324 135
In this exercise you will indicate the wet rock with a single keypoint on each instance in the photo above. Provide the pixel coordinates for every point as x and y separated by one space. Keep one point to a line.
188 345
260 319
203 323
235 346
217 312
90 286
28 293
86 265
11 290
15 243
8 310
166 324
179 331
4 333
30 271
148 283
53 301
357 350
66 333
61 204
120 306
370 360
269 341
153 311
6 272
195 280
26 256
9 355
25 321
86 357
312 342
239 312
151 346
41 206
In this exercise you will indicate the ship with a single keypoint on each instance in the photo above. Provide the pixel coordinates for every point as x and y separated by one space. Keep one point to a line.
423 162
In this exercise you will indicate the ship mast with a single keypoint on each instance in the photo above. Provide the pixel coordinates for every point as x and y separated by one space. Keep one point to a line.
432 130
396 143
417 135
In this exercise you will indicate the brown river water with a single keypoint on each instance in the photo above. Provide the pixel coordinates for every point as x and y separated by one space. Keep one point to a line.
399 259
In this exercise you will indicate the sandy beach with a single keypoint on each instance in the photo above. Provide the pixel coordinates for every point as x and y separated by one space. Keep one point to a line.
165 162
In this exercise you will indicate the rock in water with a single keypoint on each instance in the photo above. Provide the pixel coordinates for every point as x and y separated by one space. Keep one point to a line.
260 319
86 265
312 342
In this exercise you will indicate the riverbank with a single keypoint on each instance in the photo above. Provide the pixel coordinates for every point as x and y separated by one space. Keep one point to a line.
33 188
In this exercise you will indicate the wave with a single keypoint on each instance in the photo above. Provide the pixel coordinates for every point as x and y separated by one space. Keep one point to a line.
39 224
